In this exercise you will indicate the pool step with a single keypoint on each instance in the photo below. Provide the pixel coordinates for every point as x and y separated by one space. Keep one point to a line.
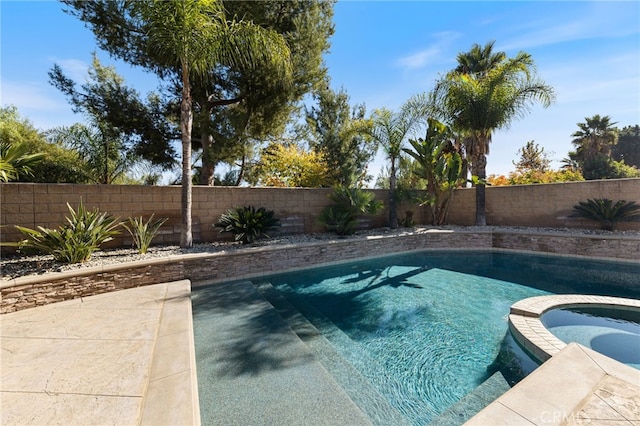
473 402
348 377
254 370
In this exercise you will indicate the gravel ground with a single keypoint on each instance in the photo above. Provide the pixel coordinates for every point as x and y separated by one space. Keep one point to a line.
15 266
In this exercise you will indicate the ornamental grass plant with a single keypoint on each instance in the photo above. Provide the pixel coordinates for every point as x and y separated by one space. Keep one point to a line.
143 232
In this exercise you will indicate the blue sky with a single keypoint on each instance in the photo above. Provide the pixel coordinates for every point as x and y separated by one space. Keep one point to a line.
382 53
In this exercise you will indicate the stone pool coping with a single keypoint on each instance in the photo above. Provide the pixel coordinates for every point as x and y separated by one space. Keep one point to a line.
526 325
602 391
577 386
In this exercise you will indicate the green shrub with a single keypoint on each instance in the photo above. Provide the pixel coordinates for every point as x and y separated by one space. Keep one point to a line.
143 233
339 219
604 210
247 223
75 241
408 221
349 203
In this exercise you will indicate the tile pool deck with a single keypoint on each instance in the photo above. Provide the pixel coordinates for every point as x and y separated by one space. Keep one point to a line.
120 358
127 358
577 386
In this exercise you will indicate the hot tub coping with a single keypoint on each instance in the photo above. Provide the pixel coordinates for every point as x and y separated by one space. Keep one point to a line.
526 325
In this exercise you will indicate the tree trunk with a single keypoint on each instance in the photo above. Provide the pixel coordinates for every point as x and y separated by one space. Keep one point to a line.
444 208
186 122
208 167
393 214
243 164
480 170
105 179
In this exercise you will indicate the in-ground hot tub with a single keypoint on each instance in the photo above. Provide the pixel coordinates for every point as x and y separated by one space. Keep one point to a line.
544 325
612 331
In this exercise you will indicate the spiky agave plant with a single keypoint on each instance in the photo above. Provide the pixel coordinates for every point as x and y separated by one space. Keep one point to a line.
74 242
247 223
606 212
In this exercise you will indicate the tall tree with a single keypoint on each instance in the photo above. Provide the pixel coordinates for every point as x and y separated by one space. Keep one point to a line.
479 59
105 160
184 39
118 113
628 147
595 143
597 135
390 130
246 105
533 166
532 158
477 104
337 132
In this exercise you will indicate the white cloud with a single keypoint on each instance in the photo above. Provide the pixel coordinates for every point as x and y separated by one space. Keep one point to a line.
613 90
604 85
419 59
596 20
41 104
29 96
430 54
75 69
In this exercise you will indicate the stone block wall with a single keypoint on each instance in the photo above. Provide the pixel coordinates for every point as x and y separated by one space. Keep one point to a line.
605 246
549 205
33 205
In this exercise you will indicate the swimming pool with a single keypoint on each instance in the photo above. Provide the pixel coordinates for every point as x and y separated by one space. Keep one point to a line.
427 329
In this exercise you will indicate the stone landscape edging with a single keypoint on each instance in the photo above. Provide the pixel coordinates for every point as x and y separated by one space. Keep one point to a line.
31 291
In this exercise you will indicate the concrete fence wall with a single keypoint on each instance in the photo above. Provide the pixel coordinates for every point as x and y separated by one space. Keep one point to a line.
545 205
33 205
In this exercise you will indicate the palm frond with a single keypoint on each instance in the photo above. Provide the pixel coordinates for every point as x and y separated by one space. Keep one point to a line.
15 159
606 212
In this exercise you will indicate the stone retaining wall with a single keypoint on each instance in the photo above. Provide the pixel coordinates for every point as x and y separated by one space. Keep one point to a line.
27 292
605 246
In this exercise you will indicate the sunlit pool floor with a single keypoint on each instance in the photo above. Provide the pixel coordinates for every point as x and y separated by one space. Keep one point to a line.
255 367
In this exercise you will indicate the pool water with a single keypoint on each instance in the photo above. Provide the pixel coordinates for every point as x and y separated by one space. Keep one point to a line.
426 329
612 332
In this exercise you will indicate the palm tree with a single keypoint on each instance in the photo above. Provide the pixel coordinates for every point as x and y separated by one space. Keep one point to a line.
102 151
570 164
596 136
191 37
479 60
477 104
390 130
15 160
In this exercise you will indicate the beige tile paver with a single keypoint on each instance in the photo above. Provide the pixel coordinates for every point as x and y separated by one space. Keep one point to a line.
574 387
101 360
